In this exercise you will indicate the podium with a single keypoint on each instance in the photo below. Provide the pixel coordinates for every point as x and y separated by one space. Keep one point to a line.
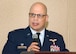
55 52
46 52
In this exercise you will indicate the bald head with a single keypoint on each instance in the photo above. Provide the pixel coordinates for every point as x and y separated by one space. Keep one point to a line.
38 7
38 16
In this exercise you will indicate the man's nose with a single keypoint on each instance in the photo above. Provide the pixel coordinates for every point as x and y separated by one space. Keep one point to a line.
36 17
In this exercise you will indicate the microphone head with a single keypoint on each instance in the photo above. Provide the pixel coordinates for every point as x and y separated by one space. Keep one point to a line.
35 37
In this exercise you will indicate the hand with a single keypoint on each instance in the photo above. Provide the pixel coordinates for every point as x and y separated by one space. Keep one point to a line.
33 47
55 48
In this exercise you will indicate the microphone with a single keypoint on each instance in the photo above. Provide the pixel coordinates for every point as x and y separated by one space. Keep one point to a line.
35 38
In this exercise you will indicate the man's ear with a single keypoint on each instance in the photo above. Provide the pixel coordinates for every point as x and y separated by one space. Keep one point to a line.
47 18
46 25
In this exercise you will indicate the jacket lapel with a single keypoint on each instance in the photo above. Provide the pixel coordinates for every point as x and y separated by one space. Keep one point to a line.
28 36
47 43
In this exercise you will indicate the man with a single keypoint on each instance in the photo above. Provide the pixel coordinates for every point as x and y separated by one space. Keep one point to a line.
21 39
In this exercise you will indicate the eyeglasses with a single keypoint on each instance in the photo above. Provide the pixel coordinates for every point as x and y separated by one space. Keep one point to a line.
32 15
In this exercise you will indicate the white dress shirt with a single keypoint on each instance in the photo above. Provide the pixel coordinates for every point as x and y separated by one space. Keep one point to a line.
41 36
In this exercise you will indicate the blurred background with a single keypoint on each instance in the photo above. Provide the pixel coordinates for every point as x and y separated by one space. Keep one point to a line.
62 18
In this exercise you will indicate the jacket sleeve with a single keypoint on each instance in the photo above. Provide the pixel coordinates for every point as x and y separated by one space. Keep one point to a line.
62 44
10 46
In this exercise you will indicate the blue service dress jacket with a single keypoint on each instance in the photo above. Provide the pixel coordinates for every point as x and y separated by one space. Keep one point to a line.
19 40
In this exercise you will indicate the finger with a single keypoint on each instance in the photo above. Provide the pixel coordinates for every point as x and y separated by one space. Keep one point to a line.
35 50
33 46
34 43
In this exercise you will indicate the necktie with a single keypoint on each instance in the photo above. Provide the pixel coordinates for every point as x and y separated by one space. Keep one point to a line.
38 38
38 35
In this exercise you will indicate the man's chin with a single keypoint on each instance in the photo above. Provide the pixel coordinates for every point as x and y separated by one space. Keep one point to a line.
36 29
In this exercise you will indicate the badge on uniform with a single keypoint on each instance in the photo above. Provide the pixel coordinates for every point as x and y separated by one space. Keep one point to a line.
51 47
53 41
22 46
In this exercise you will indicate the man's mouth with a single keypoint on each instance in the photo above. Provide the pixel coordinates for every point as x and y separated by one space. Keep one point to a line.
35 24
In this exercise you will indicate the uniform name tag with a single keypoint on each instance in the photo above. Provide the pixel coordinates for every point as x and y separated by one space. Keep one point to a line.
22 46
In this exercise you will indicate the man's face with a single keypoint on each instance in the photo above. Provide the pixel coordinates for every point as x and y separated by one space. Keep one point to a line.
37 17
